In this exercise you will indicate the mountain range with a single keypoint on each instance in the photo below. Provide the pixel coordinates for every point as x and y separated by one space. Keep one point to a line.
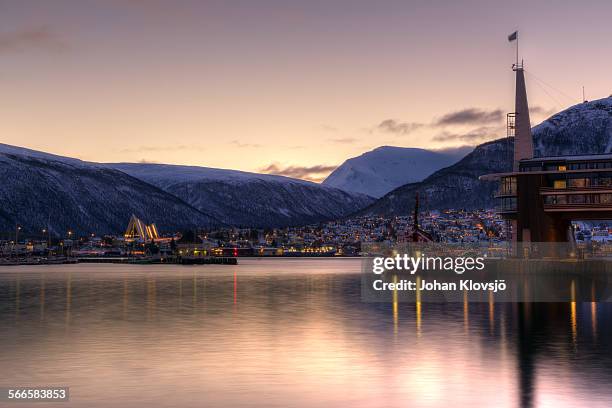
385 168
585 128
249 199
41 189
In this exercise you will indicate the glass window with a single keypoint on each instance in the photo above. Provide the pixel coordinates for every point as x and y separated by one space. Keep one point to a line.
508 185
579 182
559 184
577 199
509 203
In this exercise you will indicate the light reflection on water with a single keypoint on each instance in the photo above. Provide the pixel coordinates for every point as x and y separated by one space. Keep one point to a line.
288 333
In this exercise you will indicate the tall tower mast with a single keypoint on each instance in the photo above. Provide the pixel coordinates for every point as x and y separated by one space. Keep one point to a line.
523 141
521 125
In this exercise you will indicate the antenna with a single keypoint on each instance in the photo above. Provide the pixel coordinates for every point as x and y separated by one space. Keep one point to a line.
517 49
583 98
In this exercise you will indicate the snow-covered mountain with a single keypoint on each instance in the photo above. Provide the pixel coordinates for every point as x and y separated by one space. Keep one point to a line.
585 128
87 197
250 199
67 194
168 174
385 168
581 129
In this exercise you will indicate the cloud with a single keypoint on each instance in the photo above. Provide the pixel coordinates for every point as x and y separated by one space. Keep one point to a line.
471 116
456 151
475 135
468 116
344 140
37 38
313 173
541 111
403 128
239 144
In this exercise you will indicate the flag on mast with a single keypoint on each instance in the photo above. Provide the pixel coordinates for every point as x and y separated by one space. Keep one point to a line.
513 36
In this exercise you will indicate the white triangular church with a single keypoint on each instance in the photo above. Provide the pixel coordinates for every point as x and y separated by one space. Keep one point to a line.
139 231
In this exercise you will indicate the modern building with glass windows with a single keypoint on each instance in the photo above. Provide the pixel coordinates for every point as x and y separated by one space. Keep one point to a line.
547 193
542 196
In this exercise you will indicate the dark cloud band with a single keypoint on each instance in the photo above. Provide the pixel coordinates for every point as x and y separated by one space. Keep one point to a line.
312 173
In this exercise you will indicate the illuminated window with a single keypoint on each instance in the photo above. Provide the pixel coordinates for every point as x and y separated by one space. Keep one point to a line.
560 184
562 168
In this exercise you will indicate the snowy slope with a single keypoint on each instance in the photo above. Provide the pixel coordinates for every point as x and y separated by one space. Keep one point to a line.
88 196
249 199
581 129
167 174
385 168
22 151
70 195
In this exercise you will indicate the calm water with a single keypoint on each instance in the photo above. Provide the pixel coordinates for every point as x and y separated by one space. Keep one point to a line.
287 333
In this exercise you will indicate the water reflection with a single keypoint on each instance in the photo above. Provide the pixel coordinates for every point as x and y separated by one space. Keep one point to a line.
288 333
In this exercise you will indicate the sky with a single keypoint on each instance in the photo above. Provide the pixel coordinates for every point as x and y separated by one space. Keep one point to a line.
288 87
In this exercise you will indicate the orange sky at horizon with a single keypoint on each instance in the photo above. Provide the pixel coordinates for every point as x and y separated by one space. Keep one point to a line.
292 87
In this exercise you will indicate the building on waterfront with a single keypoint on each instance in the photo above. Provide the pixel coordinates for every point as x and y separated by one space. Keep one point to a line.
541 196
139 231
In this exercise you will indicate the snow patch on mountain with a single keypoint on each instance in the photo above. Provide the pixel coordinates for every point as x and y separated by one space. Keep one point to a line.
385 168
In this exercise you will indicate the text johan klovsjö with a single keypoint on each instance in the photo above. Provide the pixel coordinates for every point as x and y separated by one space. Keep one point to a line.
410 264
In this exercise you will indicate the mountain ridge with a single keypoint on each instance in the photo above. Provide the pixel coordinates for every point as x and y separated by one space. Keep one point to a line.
195 197
242 198
62 196
584 128
385 168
